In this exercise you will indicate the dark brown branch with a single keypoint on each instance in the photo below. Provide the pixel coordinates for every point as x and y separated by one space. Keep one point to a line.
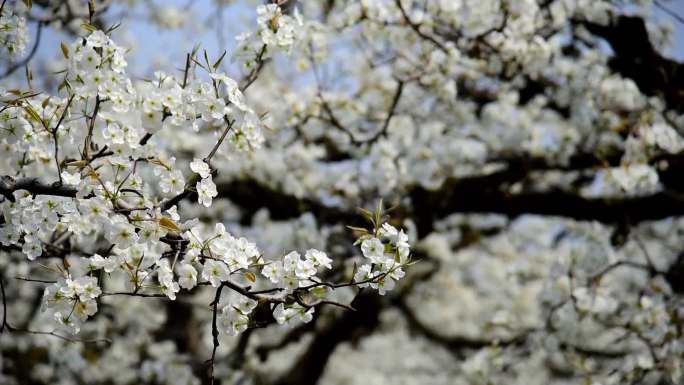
9 185
478 194
214 331
636 58
4 305
145 139
351 325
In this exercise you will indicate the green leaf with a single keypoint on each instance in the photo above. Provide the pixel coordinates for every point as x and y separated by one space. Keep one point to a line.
412 262
33 114
112 28
219 60
168 224
320 291
28 3
89 27
358 229
195 49
206 58
250 276
378 214
63 84
65 50
367 214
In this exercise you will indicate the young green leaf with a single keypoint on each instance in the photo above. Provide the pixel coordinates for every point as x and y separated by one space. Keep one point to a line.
65 50
89 27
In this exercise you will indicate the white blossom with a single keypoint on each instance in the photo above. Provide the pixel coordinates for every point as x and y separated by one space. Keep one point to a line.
206 190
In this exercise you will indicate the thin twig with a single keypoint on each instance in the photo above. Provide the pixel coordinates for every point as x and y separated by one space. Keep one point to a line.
91 127
34 280
4 303
62 337
617 264
416 27
56 139
229 125
390 113
255 72
187 68
5 325
131 294
214 331
670 12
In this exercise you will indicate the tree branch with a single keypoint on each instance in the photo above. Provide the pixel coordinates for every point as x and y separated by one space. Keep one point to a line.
9 185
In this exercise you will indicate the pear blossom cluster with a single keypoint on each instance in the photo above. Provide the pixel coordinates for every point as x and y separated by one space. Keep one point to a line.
72 301
276 29
29 220
276 32
99 128
13 32
96 69
206 189
384 264
200 223
227 252
409 150
292 277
